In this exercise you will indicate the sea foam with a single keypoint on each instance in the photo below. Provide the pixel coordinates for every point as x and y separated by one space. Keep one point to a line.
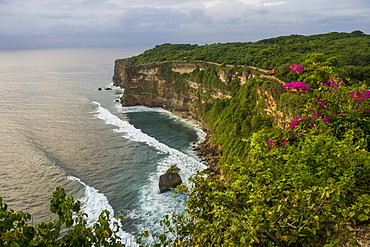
152 205
93 203
187 164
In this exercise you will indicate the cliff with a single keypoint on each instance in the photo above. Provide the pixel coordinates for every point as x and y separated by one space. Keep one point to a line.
185 89
176 86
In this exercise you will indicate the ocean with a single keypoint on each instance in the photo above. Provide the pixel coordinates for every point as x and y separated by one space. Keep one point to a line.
58 129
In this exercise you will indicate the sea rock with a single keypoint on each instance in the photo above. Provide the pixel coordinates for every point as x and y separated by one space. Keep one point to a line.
168 181
100 89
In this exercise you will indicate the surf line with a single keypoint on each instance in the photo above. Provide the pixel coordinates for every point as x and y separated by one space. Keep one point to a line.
152 205
93 203
188 165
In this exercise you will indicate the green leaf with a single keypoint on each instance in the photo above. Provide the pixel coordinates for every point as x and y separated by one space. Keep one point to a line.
363 217
261 229
242 240
335 241
34 243
14 244
354 242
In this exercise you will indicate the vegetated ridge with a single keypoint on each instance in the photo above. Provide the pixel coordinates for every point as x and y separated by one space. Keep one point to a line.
288 124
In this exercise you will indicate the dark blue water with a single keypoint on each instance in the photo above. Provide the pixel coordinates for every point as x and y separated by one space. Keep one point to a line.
57 129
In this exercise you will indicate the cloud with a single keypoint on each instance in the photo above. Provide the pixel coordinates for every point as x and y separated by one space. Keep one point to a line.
151 18
211 4
38 23
250 2
275 3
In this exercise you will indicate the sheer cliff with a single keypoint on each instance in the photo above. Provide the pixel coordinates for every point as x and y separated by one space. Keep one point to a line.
199 91
177 86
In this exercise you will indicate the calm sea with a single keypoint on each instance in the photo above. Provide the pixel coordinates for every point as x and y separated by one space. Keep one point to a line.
58 129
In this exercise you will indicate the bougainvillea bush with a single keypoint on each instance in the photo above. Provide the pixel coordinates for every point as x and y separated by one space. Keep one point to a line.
302 182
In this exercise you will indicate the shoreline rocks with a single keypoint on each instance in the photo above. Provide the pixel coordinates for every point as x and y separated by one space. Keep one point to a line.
210 154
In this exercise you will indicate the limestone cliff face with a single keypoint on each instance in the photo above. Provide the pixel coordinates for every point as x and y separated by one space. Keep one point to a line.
170 85
180 86
271 106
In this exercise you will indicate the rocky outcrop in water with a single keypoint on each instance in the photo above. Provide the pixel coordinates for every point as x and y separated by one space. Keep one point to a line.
168 181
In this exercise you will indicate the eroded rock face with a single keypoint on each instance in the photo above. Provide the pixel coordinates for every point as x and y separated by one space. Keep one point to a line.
169 181
165 85
152 85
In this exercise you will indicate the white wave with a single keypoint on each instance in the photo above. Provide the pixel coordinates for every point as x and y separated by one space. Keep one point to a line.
140 108
152 205
118 90
187 164
93 203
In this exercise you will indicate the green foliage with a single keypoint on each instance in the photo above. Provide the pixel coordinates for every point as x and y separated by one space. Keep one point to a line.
70 228
243 114
296 183
208 77
173 169
127 97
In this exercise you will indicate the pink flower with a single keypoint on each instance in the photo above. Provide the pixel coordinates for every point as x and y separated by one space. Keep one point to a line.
315 115
320 102
270 143
359 97
325 120
296 85
333 83
293 124
283 143
296 68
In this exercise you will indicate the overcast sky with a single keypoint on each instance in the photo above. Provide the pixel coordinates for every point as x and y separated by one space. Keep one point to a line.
108 23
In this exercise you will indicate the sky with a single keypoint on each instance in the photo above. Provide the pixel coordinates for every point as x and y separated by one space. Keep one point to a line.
26 24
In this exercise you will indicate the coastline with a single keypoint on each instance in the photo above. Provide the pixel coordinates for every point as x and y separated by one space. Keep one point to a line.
208 152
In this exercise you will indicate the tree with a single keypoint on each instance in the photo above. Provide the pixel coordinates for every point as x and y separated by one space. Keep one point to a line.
70 228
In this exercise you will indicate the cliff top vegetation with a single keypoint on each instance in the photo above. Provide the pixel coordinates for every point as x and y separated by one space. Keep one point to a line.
349 51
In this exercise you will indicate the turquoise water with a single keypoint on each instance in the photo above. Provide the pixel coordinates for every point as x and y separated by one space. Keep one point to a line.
58 129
